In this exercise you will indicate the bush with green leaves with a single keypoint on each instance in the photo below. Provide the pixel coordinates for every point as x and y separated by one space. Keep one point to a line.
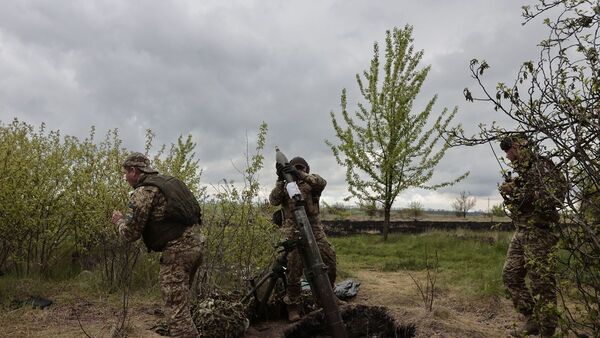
240 238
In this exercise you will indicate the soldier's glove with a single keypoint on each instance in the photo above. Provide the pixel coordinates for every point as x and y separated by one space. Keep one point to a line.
291 170
279 168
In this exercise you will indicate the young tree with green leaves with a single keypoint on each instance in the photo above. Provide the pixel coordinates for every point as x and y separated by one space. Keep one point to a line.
387 147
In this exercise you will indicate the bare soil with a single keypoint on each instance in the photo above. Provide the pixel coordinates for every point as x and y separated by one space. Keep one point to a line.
452 315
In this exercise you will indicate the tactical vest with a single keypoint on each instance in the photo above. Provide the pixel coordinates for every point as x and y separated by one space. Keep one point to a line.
182 211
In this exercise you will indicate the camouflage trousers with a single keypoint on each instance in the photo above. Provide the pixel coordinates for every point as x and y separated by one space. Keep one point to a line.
295 268
178 264
532 253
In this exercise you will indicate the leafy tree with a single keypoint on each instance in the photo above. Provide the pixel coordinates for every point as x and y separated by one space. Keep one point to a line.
554 101
387 148
369 208
463 203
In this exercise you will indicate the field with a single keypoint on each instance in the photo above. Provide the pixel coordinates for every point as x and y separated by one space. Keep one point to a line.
468 300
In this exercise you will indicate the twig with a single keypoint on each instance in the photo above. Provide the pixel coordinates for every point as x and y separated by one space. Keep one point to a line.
80 325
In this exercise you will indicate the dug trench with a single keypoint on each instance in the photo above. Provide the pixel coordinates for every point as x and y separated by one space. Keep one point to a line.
388 305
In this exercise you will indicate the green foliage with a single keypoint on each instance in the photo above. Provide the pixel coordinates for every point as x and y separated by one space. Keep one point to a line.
56 191
386 147
369 208
57 195
240 237
498 210
469 261
335 211
179 162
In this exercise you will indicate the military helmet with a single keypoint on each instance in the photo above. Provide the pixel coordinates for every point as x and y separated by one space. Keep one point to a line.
300 161
139 161
517 138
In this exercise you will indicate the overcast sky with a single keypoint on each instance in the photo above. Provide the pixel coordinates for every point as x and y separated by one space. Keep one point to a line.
216 69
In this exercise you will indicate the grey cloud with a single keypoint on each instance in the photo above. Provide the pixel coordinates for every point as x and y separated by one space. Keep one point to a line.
217 69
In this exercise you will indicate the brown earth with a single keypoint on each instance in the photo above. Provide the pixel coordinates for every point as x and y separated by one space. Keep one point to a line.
452 315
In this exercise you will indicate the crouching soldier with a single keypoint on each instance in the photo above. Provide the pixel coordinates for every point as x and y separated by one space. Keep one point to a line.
165 213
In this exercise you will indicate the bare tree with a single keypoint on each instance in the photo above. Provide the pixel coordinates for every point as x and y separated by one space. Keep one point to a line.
463 203
415 209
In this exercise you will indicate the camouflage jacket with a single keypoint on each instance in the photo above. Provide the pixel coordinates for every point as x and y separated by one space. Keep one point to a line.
311 186
537 192
146 204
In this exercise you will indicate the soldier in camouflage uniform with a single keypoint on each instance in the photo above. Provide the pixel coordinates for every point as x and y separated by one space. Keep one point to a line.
311 186
165 213
532 198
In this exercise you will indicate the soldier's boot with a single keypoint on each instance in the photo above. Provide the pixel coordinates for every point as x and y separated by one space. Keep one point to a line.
293 312
547 332
530 327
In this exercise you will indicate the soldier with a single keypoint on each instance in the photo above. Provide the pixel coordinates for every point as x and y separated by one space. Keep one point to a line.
533 199
165 213
311 186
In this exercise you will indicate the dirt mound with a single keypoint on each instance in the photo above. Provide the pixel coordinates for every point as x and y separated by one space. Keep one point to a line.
360 321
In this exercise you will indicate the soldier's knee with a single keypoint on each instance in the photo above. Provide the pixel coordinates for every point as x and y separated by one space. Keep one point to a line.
507 275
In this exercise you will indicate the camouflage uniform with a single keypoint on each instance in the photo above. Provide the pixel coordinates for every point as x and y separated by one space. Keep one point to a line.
179 260
310 186
532 199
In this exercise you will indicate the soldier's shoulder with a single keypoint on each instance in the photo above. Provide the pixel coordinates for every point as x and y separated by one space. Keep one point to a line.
144 192
145 189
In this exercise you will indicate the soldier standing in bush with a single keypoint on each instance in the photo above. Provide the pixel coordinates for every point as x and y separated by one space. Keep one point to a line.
533 199
165 213
311 186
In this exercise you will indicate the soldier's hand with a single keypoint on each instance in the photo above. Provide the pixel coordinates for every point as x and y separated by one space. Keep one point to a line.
279 168
290 169
116 217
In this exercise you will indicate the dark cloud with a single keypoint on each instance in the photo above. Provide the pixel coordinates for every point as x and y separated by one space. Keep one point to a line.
217 69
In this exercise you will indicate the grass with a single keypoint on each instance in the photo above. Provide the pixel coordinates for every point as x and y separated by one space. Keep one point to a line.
85 285
469 261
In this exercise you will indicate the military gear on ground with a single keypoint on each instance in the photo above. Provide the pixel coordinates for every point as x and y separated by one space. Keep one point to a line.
266 287
140 161
346 289
220 318
182 211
